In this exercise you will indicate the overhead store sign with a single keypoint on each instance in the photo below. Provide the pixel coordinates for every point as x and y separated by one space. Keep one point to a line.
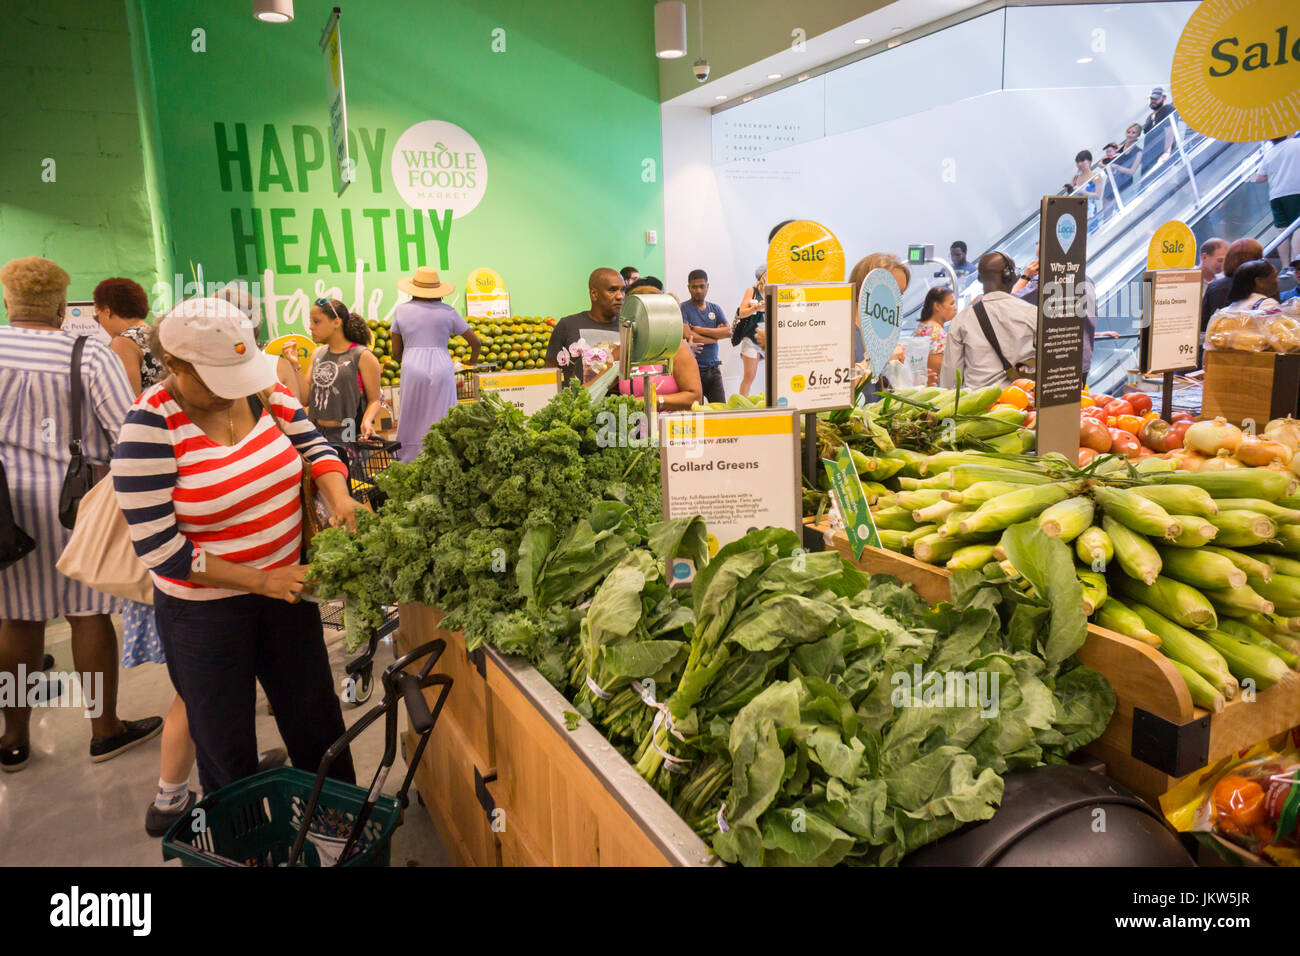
805 251
739 471
344 169
1236 70
1173 246
810 346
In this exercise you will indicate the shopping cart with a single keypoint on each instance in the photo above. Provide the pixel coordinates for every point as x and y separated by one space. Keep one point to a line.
365 459
467 384
287 817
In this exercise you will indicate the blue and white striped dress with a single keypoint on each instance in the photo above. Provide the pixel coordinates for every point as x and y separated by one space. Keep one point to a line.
35 429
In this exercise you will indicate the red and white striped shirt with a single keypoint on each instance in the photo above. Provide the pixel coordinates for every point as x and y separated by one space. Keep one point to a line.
182 492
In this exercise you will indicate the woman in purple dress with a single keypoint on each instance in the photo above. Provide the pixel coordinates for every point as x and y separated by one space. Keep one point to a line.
421 329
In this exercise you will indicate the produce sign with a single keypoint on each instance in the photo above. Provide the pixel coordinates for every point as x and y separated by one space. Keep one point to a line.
880 312
528 391
1171 332
852 500
810 347
1173 246
805 251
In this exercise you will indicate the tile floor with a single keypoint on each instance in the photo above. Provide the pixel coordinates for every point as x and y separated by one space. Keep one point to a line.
64 810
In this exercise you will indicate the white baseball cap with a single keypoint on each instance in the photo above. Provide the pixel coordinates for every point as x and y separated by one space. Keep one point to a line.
219 341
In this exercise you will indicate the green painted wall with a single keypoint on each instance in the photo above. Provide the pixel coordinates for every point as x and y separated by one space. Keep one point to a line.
566 117
70 98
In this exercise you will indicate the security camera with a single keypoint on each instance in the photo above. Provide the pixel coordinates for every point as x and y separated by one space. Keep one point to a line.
701 70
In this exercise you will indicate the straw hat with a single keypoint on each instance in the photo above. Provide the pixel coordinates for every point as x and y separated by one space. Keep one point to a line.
425 284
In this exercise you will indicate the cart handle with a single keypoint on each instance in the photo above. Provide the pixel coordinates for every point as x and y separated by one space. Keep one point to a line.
417 708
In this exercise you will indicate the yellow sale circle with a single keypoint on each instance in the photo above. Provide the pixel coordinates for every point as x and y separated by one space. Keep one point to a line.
1236 70
485 281
805 251
797 383
291 343
1173 246
712 542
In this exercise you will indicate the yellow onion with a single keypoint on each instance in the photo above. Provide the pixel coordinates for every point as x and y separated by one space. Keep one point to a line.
1222 460
1284 430
1258 452
1210 438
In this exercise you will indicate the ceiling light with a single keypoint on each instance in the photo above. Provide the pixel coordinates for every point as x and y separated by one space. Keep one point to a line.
774 76
861 41
802 77
893 43
895 29
720 97
273 11
1084 59
746 99
670 29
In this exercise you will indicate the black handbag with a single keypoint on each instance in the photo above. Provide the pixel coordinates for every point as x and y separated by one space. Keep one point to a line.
80 477
15 543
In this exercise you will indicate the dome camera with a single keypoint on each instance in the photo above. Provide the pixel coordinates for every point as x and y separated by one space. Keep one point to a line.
701 70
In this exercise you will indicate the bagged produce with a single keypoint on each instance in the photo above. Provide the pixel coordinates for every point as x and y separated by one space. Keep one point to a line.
1236 332
1251 801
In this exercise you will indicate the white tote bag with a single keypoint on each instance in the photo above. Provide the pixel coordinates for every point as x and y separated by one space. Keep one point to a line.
99 553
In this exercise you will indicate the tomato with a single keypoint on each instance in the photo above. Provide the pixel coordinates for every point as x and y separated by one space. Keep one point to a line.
1130 423
1025 384
1182 417
1179 429
1140 401
1086 455
1119 407
1123 443
1093 434
1015 397
1029 421
1157 435
1096 412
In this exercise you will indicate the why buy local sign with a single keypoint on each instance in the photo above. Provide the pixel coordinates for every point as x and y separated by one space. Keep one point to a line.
1236 70
435 170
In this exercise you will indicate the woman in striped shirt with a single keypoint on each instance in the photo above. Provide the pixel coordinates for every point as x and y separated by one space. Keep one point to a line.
207 471
35 430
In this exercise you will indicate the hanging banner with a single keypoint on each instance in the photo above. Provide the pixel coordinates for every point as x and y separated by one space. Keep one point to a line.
805 251
331 44
810 346
1058 364
1236 70
880 312
738 470
1173 246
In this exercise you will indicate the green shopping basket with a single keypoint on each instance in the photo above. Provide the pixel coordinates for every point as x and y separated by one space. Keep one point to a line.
289 817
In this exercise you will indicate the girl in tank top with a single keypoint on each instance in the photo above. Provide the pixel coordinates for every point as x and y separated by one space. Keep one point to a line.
344 397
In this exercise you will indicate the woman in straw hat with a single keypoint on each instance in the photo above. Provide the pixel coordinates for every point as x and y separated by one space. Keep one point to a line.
35 431
421 329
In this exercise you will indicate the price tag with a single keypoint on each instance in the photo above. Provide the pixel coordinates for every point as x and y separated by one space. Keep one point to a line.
810 347
1172 331
529 390
859 526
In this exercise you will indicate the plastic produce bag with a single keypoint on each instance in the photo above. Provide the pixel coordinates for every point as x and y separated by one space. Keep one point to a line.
1251 800
899 375
1283 333
1236 332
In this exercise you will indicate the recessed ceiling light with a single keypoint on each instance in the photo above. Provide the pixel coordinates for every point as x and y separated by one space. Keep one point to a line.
747 99
895 29
1084 59
719 97
802 77
893 43
862 40
774 76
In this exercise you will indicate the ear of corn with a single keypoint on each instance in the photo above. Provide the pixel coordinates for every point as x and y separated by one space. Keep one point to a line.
1119 617
992 424
1067 519
1094 545
1244 598
972 402
980 492
893 540
971 557
1180 499
1253 567
934 513
1202 691
1243 632
1242 529
911 537
913 461
1283 590
1094 590
1017 443
1016 506
1288 539
878 468
895 519
1179 644
951 528
1279 563
962 477
1136 555
1196 531
874 491
1236 482
1200 568
1267 508
1177 601
1133 511
935 548
1248 662
921 498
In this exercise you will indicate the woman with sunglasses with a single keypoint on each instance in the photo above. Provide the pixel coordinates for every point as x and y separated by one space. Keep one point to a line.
344 374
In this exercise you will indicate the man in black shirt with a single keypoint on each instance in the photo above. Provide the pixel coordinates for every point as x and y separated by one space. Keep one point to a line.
1157 131
597 327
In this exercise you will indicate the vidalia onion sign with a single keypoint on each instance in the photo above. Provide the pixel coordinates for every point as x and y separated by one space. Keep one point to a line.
1236 71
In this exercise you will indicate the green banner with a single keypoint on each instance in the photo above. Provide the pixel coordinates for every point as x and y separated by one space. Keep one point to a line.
852 502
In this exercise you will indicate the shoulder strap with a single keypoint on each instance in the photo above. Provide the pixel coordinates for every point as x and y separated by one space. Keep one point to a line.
78 347
982 315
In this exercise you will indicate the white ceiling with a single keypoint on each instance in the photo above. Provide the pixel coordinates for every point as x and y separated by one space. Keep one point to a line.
890 23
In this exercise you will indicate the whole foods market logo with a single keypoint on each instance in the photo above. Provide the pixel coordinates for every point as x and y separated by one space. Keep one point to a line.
438 165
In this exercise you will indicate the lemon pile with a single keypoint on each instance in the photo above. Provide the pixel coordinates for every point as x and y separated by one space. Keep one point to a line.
517 342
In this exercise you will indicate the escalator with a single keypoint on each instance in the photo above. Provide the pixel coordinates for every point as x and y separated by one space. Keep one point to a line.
1204 182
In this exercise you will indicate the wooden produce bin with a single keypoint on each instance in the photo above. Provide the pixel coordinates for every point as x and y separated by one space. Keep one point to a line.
1258 386
1156 737
507 784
